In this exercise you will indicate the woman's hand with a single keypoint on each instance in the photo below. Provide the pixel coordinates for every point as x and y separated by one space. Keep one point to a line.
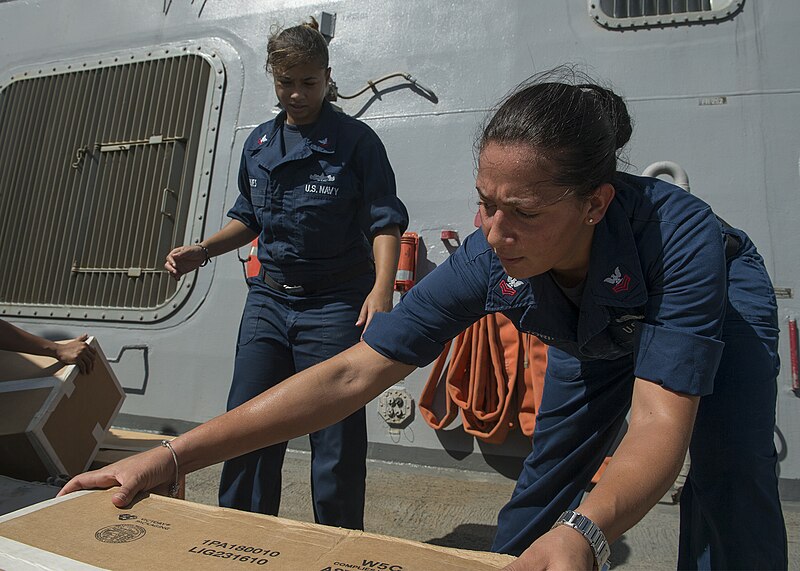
77 352
561 548
142 472
184 259
378 300
386 250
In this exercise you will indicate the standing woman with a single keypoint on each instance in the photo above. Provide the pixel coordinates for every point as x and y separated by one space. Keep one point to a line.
317 189
650 305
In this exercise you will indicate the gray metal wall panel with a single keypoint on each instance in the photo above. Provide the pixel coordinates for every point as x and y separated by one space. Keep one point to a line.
742 155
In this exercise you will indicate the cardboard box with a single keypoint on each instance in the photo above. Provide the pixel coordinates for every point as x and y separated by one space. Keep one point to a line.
85 531
52 417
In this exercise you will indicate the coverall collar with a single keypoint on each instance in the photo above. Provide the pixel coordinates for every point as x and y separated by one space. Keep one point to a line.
539 299
615 273
614 279
266 148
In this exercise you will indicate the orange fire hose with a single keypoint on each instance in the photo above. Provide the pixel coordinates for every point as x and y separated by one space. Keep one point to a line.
495 378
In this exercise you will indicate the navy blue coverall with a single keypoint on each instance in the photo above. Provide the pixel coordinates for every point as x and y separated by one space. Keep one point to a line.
673 296
315 209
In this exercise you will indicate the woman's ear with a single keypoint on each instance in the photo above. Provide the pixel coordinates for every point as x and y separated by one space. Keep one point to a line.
599 202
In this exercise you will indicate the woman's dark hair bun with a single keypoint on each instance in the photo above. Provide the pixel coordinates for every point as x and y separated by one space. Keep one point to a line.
616 110
312 23
575 125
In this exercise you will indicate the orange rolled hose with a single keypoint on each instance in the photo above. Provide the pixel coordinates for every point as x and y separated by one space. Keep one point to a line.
494 378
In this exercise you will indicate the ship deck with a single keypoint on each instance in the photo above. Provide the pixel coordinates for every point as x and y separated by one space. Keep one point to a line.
458 508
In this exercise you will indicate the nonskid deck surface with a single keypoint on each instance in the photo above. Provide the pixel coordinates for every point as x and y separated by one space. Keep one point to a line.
457 508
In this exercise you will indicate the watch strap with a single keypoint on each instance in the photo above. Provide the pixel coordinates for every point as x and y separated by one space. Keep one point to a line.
591 532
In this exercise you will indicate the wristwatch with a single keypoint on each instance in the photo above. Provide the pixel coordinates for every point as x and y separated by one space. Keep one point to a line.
592 533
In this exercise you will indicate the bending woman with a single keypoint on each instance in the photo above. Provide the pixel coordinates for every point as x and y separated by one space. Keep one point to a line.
649 303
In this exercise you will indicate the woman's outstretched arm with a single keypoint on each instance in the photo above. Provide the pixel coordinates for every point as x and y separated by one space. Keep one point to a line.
310 400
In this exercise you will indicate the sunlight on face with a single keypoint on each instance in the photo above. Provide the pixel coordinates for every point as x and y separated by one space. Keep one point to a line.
301 90
533 225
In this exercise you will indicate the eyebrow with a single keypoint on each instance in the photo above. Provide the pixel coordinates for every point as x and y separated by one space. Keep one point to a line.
511 202
521 203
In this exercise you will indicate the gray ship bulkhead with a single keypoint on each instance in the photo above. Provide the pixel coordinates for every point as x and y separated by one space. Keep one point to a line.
714 89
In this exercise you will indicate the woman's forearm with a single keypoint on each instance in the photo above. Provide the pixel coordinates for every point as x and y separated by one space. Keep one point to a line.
647 461
231 236
306 402
13 338
386 250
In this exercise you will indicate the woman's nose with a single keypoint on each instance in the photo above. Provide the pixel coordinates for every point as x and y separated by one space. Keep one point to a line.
498 234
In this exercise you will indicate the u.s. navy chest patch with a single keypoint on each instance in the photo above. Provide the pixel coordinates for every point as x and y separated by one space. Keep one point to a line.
322 184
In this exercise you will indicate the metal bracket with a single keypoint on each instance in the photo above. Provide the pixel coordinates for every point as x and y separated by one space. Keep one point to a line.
117 146
327 25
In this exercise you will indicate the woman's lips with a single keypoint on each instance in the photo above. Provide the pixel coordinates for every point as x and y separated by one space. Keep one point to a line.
505 260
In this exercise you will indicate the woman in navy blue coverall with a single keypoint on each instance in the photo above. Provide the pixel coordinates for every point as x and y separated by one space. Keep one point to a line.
317 188
650 305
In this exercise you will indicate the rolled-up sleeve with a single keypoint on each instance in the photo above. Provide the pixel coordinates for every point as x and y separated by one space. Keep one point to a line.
242 209
447 301
381 207
680 361
678 345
